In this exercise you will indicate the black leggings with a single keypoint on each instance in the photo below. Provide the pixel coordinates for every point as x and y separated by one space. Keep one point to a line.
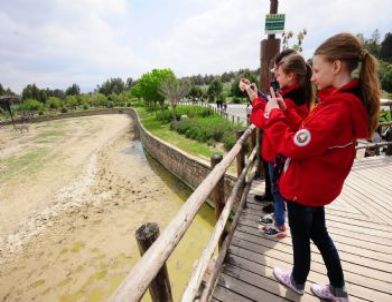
309 223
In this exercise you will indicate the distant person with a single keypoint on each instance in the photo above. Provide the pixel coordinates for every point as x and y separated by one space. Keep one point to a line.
321 154
293 75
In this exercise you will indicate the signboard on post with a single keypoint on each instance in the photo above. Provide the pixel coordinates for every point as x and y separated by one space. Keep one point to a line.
274 23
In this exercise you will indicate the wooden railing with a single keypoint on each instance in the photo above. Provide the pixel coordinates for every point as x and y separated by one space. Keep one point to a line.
142 274
377 146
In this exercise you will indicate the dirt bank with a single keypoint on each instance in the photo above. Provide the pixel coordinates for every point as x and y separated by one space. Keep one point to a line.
72 193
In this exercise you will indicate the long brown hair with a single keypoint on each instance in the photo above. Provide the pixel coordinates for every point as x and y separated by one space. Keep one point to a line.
348 49
296 64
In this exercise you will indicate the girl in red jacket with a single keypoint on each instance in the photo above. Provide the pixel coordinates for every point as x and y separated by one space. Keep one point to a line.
321 153
293 75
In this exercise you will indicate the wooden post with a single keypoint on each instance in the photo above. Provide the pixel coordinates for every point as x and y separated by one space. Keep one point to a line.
268 49
218 193
253 138
389 139
240 156
160 289
232 119
238 119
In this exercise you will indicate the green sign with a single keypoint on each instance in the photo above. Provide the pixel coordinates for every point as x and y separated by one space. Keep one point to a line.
274 23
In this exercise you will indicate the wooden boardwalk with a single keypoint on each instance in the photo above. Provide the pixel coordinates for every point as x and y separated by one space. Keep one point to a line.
359 221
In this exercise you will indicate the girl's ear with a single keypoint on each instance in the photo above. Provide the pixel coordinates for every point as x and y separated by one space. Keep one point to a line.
291 76
336 66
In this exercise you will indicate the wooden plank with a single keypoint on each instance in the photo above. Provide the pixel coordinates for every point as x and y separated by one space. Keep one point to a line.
349 249
344 220
372 191
345 241
263 265
365 287
267 282
382 236
385 266
223 294
366 205
258 269
245 289
284 254
334 232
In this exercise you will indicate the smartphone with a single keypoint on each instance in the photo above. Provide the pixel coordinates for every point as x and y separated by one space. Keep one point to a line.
275 85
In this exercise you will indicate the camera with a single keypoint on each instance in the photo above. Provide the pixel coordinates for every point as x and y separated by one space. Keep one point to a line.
275 85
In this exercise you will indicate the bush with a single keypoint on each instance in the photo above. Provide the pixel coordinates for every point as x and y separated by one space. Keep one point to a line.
31 105
237 100
213 128
64 110
41 112
85 107
229 141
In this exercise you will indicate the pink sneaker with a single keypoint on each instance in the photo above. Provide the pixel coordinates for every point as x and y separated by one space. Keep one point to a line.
324 292
285 279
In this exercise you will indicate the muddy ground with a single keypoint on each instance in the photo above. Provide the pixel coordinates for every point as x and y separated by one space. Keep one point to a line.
72 194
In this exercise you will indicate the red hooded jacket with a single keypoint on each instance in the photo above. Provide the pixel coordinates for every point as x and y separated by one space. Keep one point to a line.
321 153
296 111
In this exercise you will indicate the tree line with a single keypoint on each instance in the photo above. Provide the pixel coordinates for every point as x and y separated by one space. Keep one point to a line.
158 85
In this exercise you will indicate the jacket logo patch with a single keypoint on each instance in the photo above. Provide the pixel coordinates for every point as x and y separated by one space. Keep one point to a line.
302 137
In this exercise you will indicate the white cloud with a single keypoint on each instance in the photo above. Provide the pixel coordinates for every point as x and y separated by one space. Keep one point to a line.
55 43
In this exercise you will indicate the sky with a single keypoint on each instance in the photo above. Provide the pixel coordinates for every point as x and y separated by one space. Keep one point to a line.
55 43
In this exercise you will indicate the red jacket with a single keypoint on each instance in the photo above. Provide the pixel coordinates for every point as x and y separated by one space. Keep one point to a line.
321 153
296 111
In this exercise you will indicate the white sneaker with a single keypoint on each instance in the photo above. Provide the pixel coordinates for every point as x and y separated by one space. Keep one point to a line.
285 278
324 292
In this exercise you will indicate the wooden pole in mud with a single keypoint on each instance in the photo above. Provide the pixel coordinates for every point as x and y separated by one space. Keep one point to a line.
160 289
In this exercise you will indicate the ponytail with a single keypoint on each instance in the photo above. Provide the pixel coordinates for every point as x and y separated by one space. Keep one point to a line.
349 49
308 87
296 64
370 89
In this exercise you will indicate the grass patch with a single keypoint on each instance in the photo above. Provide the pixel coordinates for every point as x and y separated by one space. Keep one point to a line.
162 130
50 136
28 163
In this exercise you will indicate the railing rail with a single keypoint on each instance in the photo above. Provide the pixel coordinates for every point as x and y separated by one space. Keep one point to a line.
137 282
194 284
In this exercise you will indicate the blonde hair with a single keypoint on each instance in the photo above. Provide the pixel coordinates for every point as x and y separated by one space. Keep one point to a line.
348 49
296 64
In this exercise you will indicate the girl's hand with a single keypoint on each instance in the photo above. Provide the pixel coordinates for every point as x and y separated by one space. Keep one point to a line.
243 86
281 102
273 103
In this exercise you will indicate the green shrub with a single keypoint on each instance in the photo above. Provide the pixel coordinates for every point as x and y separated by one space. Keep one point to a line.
41 112
85 107
229 141
237 100
64 110
31 105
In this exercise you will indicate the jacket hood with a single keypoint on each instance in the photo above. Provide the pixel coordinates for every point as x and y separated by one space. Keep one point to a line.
351 95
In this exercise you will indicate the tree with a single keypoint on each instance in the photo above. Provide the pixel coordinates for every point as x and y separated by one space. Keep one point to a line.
300 37
31 91
113 85
196 92
215 89
174 90
58 93
148 86
74 89
54 103
130 82
386 48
